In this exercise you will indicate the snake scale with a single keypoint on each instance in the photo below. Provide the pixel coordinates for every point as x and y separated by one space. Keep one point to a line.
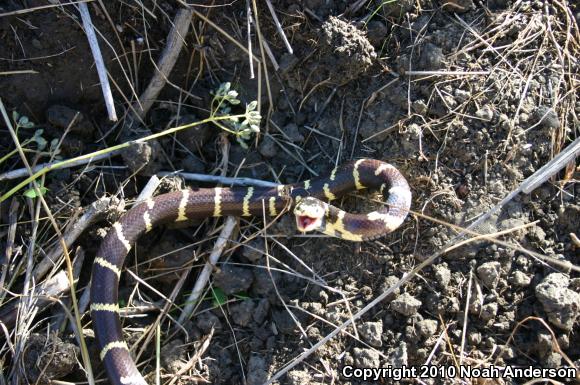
311 214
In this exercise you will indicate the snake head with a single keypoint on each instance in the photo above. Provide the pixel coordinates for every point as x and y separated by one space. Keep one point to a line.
309 213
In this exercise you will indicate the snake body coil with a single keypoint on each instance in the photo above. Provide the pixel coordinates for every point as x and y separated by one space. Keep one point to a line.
238 201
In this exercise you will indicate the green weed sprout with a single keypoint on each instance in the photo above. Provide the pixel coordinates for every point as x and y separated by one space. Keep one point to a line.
242 127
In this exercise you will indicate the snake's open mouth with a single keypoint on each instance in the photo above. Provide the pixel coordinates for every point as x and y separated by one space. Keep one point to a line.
305 223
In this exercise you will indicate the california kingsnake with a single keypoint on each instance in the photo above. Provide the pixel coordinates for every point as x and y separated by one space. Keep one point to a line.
237 201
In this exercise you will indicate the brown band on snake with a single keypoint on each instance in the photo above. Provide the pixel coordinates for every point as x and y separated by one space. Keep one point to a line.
236 201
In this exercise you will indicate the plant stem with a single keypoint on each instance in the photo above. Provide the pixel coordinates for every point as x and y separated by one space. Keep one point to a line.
120 146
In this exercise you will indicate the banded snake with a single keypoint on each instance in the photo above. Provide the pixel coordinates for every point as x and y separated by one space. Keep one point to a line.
311 214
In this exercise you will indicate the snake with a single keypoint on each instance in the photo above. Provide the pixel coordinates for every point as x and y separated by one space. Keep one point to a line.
309 201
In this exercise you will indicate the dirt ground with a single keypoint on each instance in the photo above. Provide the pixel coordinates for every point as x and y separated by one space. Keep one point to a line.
467 98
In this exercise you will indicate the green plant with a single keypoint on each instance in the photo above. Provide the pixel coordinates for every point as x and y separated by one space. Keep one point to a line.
22 121
249 123
219 298
242 127
32 193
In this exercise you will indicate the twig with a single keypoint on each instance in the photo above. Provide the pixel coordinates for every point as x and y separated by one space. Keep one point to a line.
226 35
312 14
486 43
465 317
324 105
169 56
99 62
18 72
316 86
78 262
249 32
220 179
438 343
382 132
56 286
447 73
22 172
203 278
26 311
271 55
354 7
321 133
356 129
41 7
575 240
554 340
493 235
95 212
279 27
149 189
193 360
552 167
295 157
262 43
12 224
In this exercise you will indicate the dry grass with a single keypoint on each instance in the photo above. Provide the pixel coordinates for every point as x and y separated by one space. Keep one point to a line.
547 44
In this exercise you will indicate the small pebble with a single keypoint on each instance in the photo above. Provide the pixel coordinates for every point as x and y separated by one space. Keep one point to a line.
560 303
488 311
233 279
406 304
268 147
520 279
371 332
485 113
426 328
489 273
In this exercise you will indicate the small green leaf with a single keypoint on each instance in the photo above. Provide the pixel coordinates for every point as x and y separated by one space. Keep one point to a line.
27 125
242 295
15 116
242 143
31 193
223 89
252 106
53 144
40 142
219 297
